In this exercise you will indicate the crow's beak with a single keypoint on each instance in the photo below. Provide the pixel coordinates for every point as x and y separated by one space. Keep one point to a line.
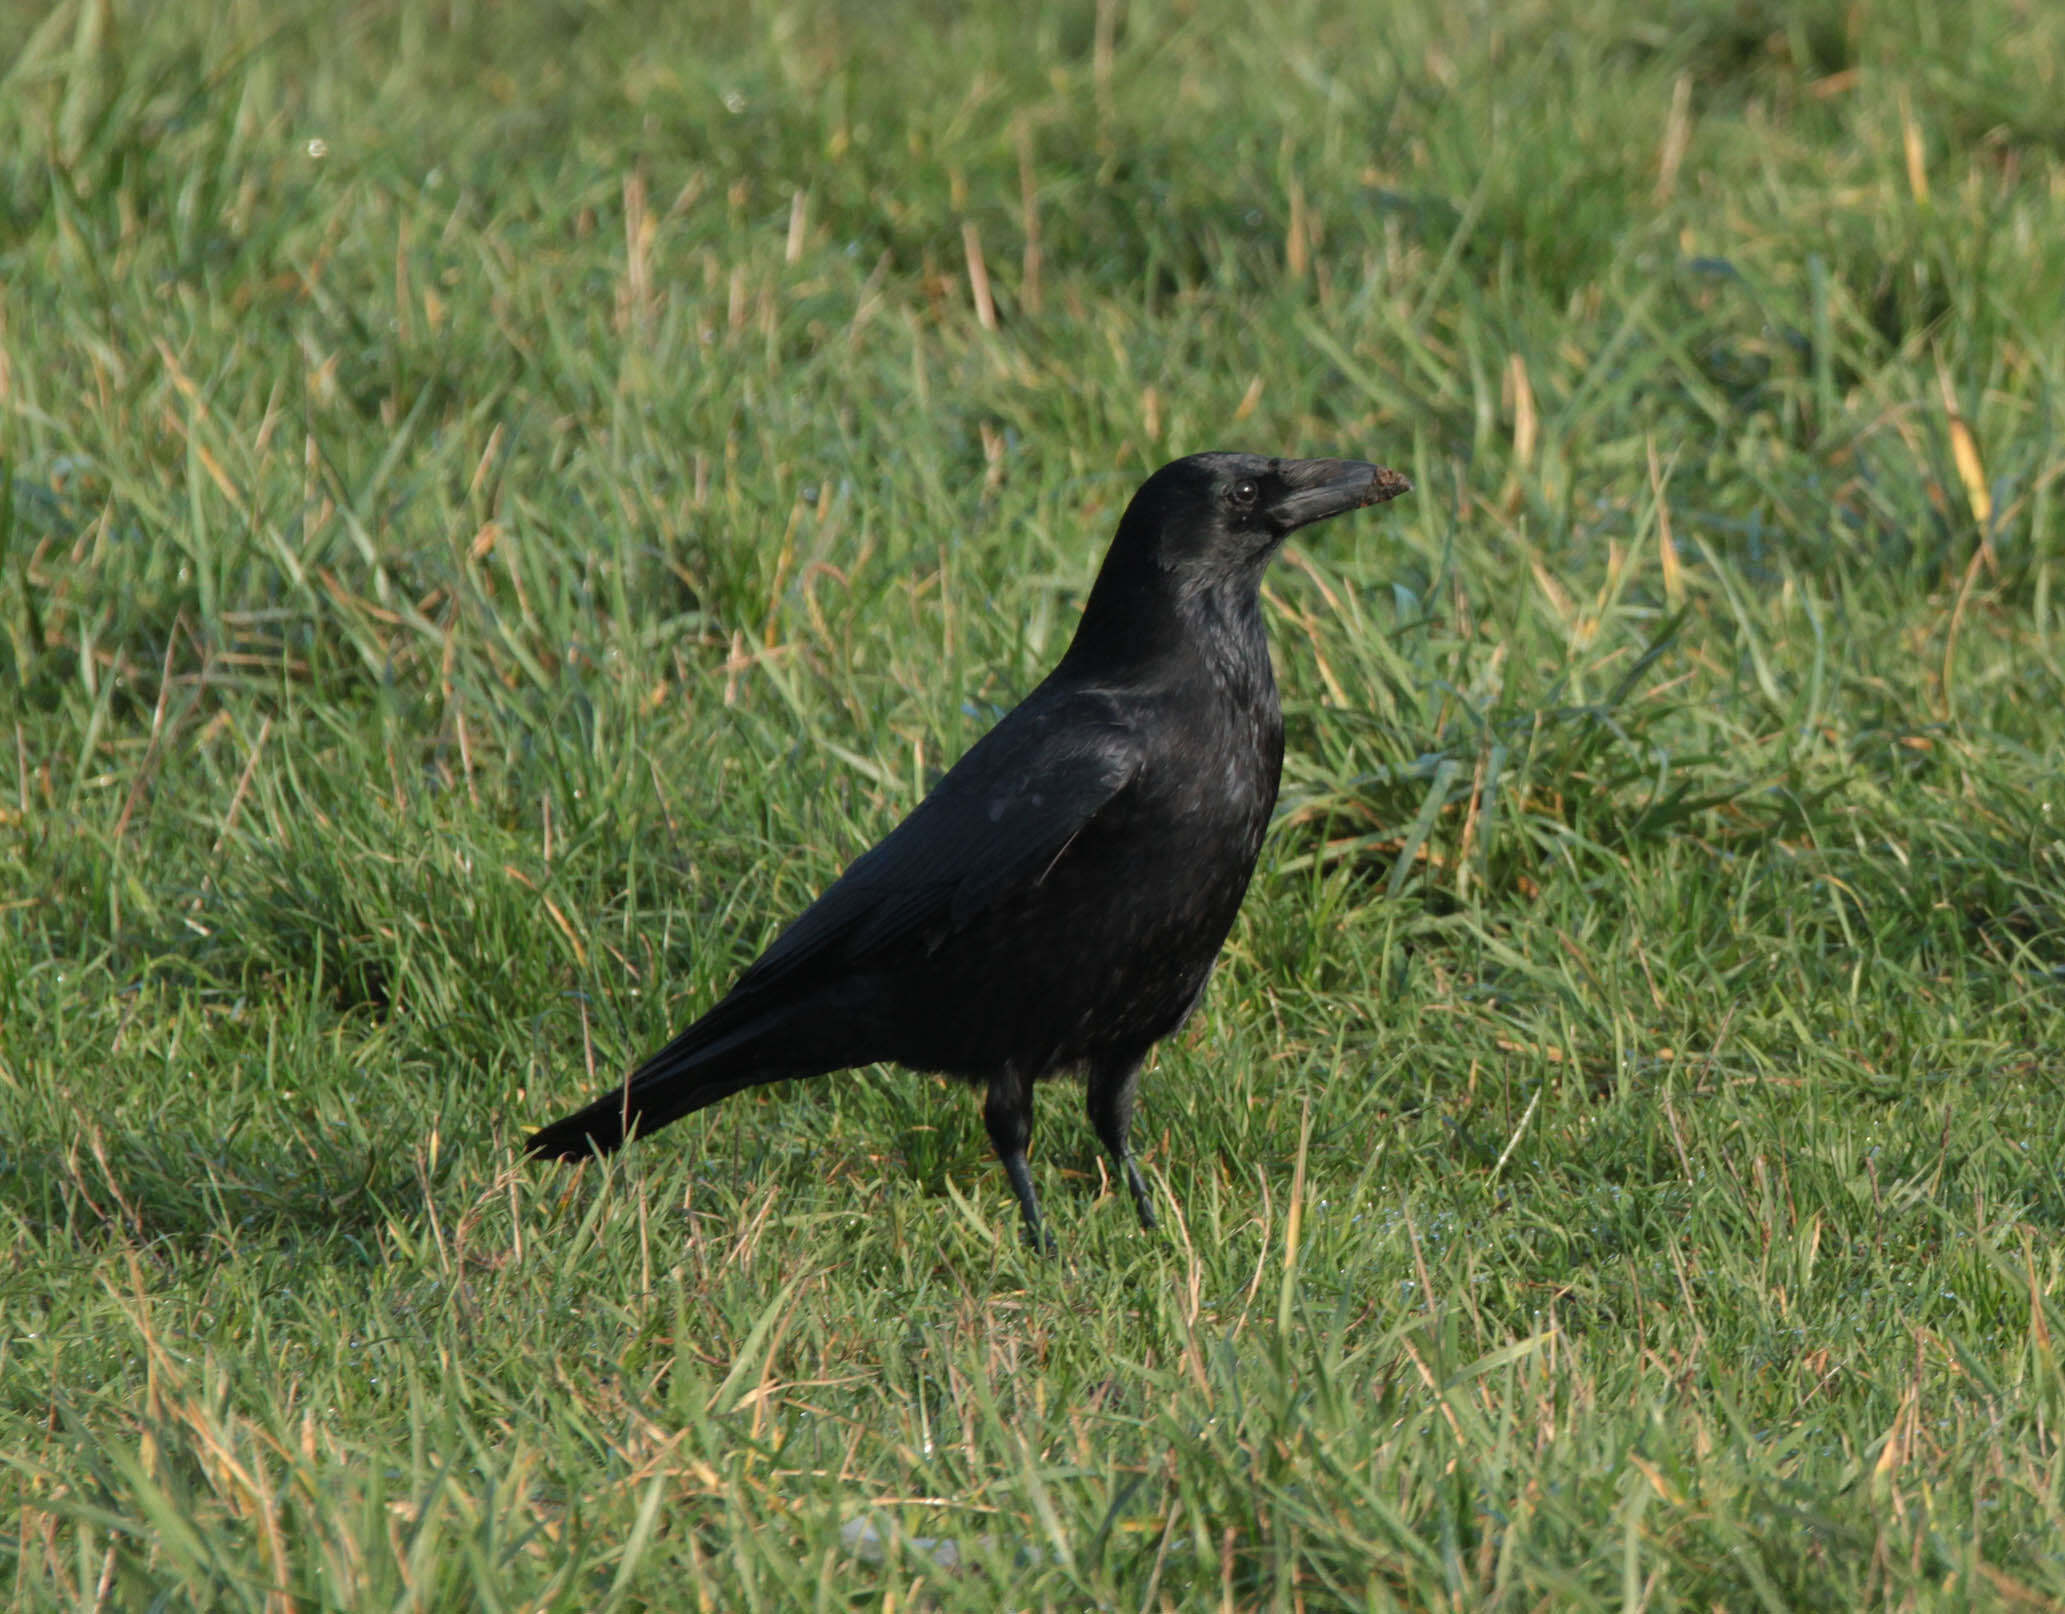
1316 489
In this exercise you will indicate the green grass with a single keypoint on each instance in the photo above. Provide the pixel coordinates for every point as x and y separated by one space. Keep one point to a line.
501 501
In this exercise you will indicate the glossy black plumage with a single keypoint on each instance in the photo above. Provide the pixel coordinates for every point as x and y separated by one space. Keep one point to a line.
1058 900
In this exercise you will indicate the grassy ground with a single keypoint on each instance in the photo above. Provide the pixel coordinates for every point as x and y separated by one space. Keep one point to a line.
500 501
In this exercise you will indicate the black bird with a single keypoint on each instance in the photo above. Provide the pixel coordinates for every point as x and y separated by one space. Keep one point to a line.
1057 902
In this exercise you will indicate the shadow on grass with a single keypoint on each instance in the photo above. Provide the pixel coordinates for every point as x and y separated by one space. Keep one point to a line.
189 1193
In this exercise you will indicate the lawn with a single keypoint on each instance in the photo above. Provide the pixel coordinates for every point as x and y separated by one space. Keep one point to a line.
498 503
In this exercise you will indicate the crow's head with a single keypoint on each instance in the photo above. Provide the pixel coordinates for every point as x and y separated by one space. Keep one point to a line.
1208 525
1214 519
1235 508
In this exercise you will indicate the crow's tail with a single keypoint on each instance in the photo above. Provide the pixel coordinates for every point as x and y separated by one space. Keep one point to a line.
696 1069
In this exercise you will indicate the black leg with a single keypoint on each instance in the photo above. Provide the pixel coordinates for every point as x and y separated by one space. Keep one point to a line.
1007 1113
1111 1112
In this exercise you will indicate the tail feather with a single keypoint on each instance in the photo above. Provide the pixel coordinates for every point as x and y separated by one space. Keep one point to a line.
705 1063
602 1127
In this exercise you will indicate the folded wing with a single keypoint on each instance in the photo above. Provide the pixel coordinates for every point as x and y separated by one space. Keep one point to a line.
999 818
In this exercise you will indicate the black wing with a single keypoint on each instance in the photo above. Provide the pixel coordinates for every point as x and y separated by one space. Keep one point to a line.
999 818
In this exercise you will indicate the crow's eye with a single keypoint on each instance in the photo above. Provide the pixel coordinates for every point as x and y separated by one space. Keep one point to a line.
1243 494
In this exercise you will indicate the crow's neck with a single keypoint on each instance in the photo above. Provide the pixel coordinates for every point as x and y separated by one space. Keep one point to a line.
1223 627
1155 635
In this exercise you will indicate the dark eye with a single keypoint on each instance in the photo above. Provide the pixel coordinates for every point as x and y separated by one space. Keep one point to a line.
1243 494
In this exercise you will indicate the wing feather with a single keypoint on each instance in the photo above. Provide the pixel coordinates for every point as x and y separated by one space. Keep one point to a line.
999 819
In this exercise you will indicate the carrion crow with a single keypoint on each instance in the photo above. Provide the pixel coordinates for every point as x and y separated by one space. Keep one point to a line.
1057 902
